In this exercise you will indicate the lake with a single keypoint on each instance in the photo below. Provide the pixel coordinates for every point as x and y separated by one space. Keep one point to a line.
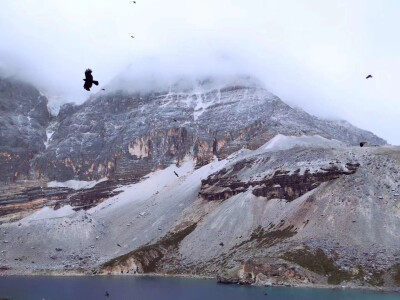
148 288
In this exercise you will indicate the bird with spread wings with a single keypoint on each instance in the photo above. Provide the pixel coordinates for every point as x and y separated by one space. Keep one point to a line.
89 80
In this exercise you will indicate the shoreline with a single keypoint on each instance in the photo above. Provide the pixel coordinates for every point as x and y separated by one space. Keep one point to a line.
204 277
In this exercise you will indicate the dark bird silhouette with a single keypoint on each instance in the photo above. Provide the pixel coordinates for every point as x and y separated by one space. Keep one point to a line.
107 294
134 2
221 244
369 76
176 174
103 89
175 120
89 80
118 245
132 36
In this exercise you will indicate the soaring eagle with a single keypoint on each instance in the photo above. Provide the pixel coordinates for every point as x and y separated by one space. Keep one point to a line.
89 80
368 77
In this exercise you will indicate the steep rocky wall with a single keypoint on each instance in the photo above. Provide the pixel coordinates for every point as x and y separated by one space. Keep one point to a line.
133 159
23 121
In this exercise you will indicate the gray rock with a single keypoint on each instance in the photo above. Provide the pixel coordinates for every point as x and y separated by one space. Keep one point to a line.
23 121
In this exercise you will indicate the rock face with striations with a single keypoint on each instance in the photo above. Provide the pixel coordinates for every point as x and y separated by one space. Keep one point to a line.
122 135
23 121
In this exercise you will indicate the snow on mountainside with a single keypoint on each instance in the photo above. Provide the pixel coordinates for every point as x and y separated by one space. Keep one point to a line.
282 142
49 213
75 184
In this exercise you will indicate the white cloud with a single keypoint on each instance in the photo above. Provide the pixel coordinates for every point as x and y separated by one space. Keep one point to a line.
313 54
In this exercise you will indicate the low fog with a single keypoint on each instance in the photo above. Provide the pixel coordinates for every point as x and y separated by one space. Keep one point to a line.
313 54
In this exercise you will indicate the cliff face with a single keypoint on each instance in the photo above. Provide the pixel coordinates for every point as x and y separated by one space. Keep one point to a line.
129 135
23 121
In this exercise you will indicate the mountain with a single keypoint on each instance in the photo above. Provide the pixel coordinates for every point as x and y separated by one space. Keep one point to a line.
122 135
207 178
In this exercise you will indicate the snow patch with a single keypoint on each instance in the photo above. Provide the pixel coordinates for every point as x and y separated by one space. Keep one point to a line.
159 184
49 213
158 181
283 142
203 103
49 134
75 184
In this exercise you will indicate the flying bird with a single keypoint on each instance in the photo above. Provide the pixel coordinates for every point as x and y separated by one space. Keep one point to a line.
132 36
369 76
176 174
175 120
107 294
89 80
118 245
103 89
134 2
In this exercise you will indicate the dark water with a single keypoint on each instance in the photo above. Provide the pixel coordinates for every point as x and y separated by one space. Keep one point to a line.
148 288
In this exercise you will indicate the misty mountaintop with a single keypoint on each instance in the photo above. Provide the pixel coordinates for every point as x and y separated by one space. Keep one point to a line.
131 132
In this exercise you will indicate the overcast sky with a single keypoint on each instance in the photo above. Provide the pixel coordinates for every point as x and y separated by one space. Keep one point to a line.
314 54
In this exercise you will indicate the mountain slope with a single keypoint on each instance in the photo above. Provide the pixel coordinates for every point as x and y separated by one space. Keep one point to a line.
257 212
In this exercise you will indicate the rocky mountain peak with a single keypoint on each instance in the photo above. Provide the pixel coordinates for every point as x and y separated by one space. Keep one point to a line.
127 133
